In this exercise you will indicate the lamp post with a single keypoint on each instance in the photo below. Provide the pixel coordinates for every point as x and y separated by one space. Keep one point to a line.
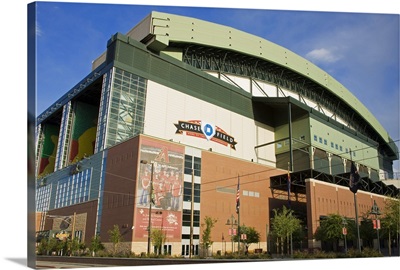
151 198
231 222
375 211
344 223
222 244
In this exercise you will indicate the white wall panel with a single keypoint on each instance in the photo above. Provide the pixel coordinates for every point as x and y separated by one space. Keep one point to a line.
242 82
155 112
267 89
265 154
165 107
287 93
309 103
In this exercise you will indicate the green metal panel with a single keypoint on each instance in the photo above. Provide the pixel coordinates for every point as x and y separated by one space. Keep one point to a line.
177 75
339 142
300 135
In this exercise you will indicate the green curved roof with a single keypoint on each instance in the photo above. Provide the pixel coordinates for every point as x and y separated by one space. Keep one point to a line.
165 28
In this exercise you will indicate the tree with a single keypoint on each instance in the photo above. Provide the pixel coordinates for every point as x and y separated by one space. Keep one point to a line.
73 246
206 241
391 221
284 224
42 247
252 236
158 238
115 237
331 230
367 232
95 245
54 245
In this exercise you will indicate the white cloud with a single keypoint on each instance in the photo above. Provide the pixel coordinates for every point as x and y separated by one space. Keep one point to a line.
38 31
322 55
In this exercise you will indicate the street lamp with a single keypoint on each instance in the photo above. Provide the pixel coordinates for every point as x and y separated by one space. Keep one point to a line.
231 222
151 197
222 244
344 223
375 211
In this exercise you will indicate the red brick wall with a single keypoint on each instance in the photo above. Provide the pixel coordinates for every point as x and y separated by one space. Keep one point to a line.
220 171
324 199
119 189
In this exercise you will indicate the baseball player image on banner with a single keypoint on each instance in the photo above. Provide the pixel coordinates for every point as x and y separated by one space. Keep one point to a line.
159 183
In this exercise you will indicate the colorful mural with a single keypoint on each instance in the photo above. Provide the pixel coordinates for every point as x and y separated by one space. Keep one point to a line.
83 131
48 155
167 193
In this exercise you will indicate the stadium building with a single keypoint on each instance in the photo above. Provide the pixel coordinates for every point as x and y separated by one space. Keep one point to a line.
204 114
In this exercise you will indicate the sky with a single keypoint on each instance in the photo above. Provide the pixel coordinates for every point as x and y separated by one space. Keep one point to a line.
360 51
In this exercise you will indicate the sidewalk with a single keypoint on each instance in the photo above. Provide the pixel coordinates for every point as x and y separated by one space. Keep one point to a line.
64 265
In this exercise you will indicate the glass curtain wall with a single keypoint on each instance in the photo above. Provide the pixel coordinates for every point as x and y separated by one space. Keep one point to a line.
127 107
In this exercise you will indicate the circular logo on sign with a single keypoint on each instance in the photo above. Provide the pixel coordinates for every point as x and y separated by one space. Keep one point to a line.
208 130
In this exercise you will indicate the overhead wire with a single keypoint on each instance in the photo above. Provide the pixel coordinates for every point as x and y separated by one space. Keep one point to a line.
220 179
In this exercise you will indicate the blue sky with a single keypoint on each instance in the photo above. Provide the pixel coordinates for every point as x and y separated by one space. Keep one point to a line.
360 50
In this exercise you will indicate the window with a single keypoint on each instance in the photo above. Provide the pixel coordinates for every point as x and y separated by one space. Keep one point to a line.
186 217
187 192
315 138
188 164
192 163
43 198
127 97
167 249
325 142
186 250
197 166
73 189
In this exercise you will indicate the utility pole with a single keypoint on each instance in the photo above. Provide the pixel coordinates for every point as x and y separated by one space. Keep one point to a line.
354 179
73 226
344 231
191 217
151 202
375 211
238 212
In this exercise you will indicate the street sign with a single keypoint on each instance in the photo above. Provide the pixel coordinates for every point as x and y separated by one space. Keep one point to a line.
232 231
377 224
344 231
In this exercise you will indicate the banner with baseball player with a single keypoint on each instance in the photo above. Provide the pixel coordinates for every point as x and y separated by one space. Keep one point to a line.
159 183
